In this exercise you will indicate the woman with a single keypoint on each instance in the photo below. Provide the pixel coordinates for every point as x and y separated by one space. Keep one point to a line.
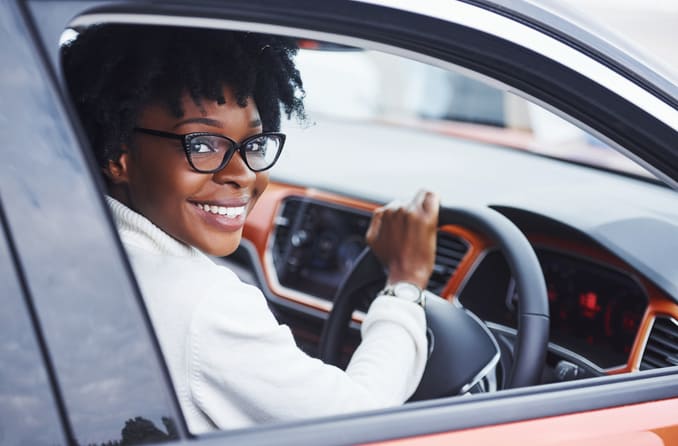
183 123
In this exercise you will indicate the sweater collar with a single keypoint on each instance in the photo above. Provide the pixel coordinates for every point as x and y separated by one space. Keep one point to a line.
136 229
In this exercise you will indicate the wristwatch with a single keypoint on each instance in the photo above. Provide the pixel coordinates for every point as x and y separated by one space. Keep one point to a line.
406 291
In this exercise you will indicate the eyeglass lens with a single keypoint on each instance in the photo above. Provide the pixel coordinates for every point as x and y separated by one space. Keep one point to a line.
207 152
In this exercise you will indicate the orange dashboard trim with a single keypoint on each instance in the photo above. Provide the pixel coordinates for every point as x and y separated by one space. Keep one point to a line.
260 224
477 245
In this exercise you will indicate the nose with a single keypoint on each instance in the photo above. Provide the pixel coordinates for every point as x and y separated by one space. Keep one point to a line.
235 173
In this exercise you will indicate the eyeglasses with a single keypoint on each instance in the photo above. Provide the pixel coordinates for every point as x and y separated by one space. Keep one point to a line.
210 152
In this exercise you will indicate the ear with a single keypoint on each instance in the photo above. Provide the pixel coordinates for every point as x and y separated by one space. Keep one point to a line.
117 170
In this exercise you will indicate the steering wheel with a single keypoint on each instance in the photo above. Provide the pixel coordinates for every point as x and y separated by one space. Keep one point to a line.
462 350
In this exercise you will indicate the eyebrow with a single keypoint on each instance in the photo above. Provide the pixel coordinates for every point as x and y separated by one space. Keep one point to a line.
212 122
200 120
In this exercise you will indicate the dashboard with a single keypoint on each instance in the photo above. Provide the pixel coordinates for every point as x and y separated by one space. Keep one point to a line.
602 311
595 310
315 245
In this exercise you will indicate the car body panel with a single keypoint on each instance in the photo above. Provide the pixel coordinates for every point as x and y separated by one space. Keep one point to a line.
645 424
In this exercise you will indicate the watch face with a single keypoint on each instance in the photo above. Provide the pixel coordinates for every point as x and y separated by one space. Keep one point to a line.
407 291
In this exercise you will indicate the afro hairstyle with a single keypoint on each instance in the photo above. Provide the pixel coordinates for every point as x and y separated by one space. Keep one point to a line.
113 70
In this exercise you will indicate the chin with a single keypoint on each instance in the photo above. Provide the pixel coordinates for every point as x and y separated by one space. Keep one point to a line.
223 249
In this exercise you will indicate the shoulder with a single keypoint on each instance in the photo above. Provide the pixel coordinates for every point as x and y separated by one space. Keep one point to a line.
227 304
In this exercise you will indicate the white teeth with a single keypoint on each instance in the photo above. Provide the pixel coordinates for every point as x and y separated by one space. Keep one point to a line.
230 212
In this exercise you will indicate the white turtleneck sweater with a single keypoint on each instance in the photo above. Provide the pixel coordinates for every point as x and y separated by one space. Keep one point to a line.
233 365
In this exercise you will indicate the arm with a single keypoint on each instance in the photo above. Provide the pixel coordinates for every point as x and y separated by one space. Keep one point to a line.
404 239
246 369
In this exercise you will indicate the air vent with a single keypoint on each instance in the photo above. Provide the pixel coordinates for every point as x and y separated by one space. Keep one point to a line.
662 345
283 226
449 252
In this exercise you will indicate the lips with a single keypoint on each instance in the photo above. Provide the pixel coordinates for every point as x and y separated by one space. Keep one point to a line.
227 215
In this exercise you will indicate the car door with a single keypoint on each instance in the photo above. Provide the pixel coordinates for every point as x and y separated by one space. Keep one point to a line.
106 363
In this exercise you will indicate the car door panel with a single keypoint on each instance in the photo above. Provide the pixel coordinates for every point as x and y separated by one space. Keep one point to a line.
651 423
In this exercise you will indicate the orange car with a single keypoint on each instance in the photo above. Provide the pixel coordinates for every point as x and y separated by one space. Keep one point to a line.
552 148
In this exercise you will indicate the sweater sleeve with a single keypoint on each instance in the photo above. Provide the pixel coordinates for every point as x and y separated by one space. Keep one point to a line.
245 368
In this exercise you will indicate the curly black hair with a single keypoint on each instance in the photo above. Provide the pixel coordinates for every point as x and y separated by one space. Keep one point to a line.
113 70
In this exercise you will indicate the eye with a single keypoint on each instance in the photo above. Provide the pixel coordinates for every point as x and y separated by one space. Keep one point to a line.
202 147
257 146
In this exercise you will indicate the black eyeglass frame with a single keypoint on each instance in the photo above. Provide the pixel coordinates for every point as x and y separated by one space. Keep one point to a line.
235 146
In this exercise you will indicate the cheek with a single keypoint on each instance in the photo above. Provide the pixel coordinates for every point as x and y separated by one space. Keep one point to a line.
163 181
260 184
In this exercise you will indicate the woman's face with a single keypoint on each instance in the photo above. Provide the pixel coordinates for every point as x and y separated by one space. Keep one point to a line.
155 179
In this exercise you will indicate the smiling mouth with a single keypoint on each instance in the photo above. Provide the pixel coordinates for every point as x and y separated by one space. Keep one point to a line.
227 211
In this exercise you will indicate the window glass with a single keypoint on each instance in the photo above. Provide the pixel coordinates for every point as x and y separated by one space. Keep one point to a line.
28 413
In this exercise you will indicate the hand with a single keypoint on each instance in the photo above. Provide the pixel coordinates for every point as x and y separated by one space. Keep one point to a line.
403 237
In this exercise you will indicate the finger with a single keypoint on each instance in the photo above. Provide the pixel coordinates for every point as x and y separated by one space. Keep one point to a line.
375 226
431 203
419 199
395 204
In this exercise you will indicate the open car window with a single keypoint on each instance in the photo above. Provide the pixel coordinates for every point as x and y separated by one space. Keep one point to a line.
380 126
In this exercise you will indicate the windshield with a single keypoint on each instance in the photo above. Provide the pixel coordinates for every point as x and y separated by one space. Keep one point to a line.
369 104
